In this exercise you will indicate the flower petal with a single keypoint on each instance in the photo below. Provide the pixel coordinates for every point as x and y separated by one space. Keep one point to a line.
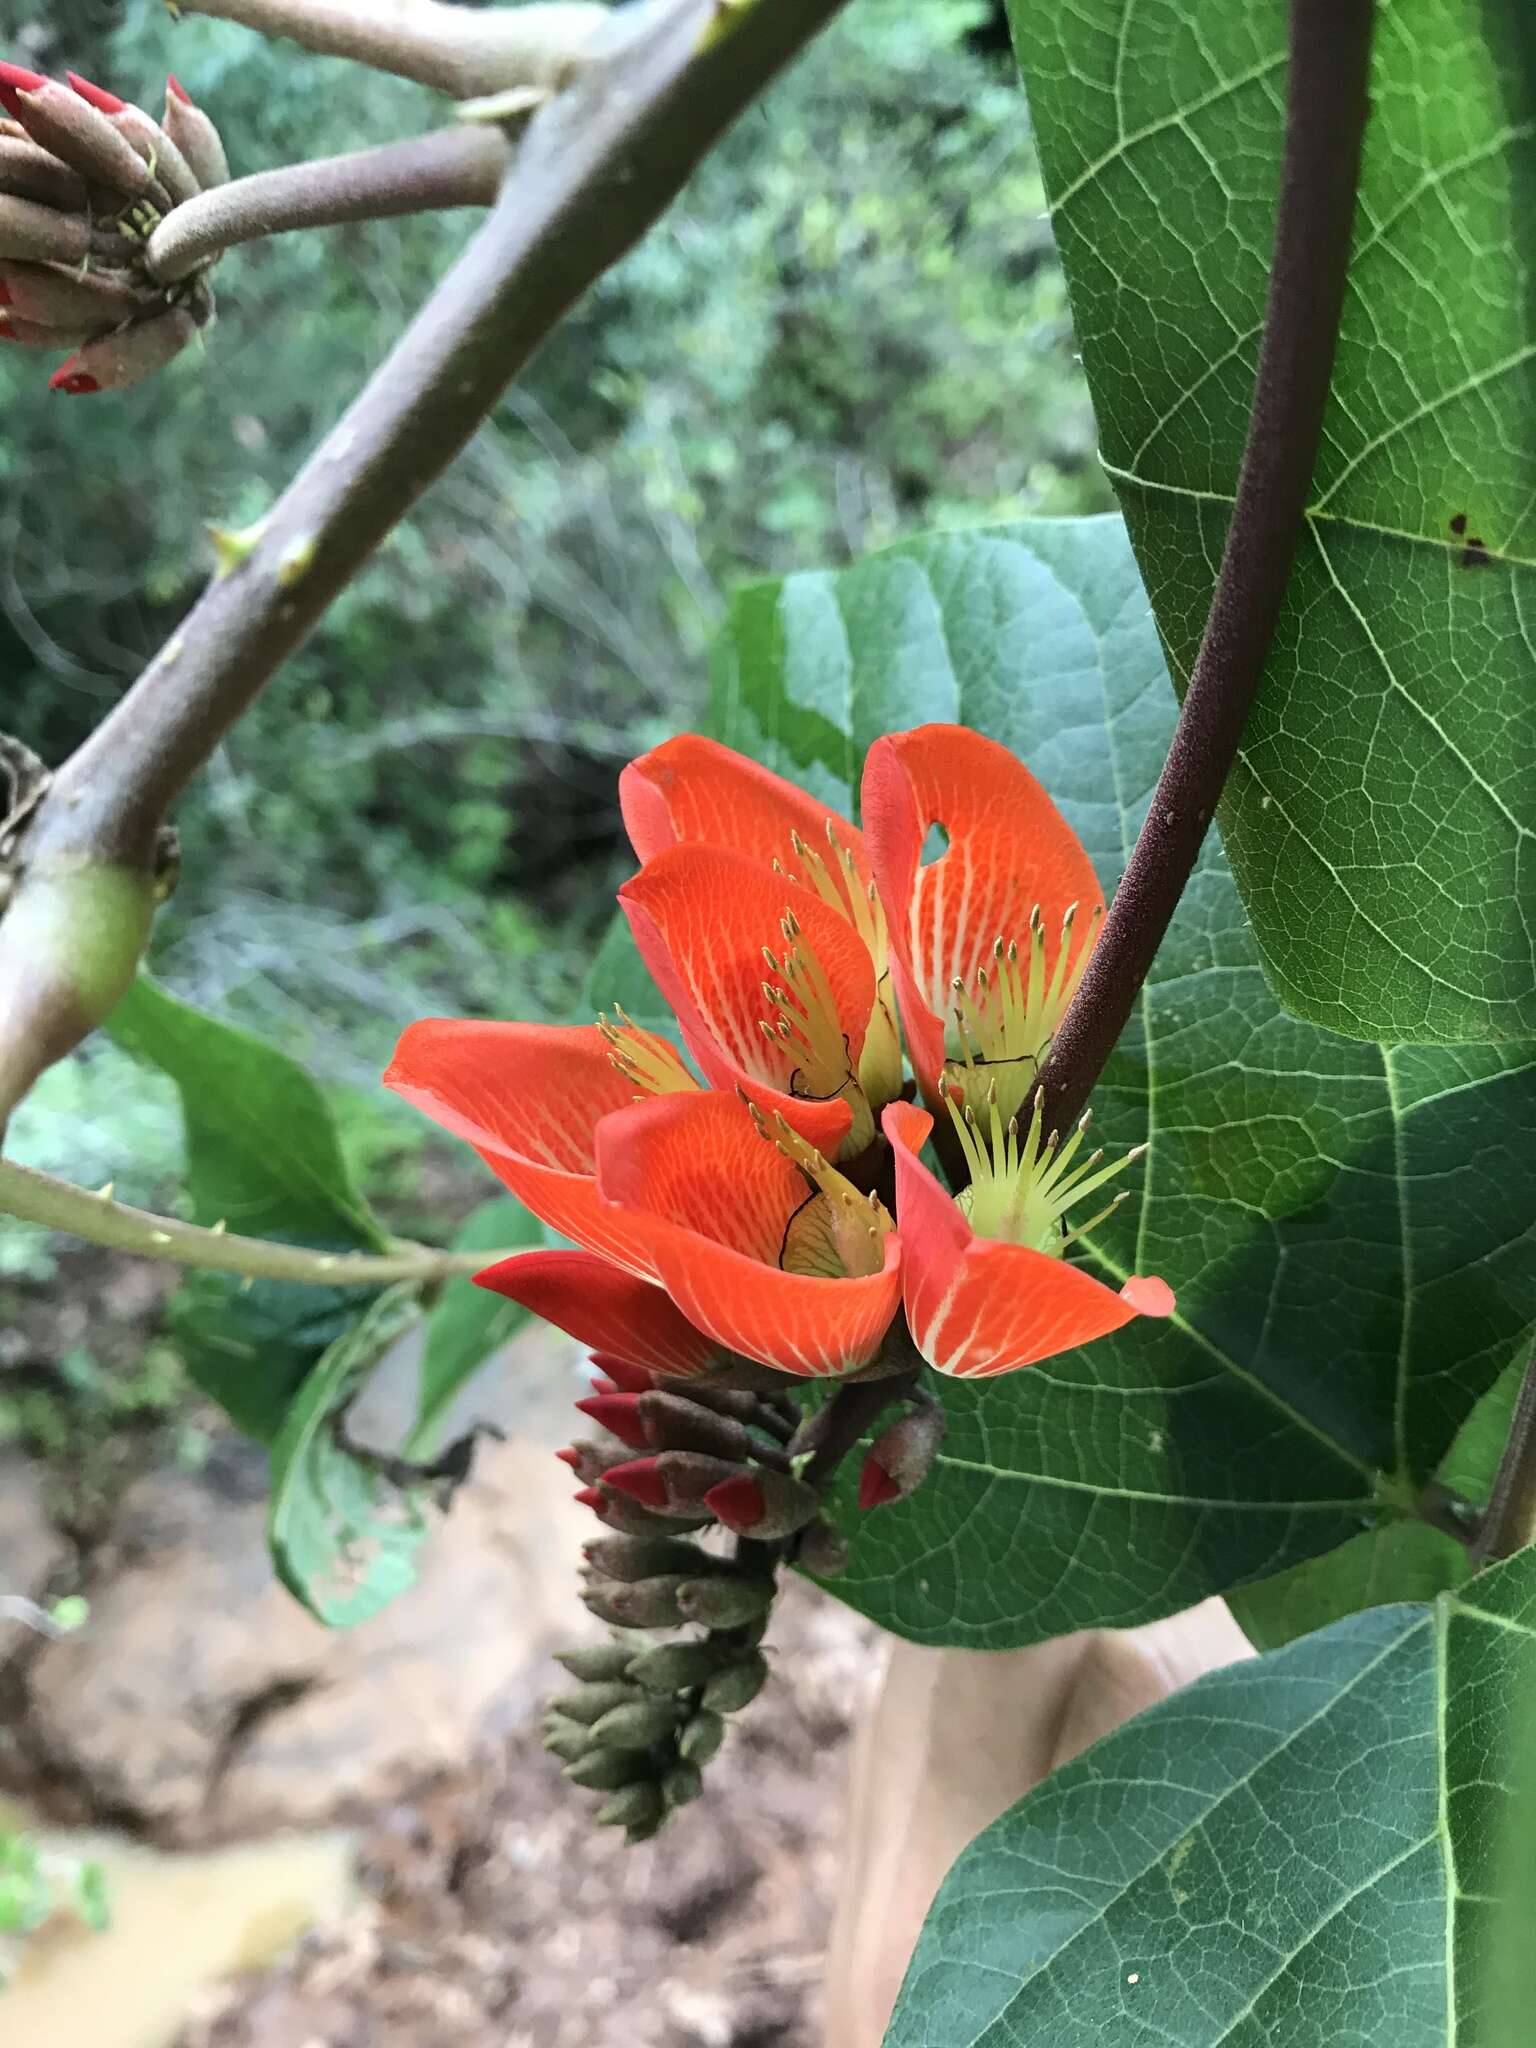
692 788
529 1098
1009 850
717 1200
702 919
1148 1295
977 1306
605 1309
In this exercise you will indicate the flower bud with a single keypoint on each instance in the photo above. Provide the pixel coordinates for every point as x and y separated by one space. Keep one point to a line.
822 1550
619 1414
39 234
80 135
606 1770
744 1405
122 358
28 172
638 1808
901 1457
737 1686
590 1461
629 1379
701 1738
195 136
24 333
565 1739
675 1667
144 135
631 1558
671 1422
33 292
724 1603
652 1603
682 1784
589 1703
636 1725
763 1504
672 1483
594 1663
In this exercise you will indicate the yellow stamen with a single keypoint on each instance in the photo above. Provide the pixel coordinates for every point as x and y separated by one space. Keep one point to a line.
838 1233
654 1066
1002 1026
1023 1184
834 877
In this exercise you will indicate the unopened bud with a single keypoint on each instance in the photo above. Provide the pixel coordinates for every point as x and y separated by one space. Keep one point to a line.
671 1422
31 233
83 137
24 333
630 1558
27 172
589 1703
595 1663
629 1379
675 1667
144 135
590 1461
619 1414
636 1725
652 1603
763 1503
638 1808
724 1603
822 1549
737 1686
565 1739
701 1738
672 1483
195 136
125 357
682 1784
33 292
606 1770
901 1457
739 1402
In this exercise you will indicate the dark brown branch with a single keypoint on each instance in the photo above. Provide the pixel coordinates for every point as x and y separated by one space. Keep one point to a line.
595 168
1326 110
453 167
1508 1523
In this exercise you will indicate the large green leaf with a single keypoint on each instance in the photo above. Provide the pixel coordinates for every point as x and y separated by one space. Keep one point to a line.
1348 1230
262 1156
1300 1850
343 1531
1380 819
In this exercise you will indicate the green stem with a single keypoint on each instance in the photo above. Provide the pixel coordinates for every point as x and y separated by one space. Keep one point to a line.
38 1198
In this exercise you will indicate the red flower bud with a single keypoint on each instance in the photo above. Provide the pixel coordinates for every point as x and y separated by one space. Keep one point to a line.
175 86
14 79
632 1379
105 102
601 1384
738 1503
590 1497
619 1414
569 1456
639 1480
877 1489
73 383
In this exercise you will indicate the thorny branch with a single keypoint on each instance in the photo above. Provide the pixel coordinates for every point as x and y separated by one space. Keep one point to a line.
1326 112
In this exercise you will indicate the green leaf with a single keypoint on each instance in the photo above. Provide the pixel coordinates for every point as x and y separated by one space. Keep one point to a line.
1380 820
1347 1228
1297 1850
343 1534
619 979
262 1156
469 1324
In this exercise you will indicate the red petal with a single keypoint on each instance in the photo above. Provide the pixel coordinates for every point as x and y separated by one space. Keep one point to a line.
641 1480
717 1199
617 1414
738 1503
629 1322
701 919
692 788
528 1097
977 1306
877 1489
96 95
1009 849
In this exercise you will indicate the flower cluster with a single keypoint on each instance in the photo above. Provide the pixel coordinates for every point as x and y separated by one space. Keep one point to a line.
85 179
764 1216
774 1206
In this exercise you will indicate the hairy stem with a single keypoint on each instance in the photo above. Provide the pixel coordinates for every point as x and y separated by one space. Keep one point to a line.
458 50
55 1205
1326 111
1508 1523
454 167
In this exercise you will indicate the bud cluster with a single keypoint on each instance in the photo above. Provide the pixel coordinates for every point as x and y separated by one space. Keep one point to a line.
646 1717
85 179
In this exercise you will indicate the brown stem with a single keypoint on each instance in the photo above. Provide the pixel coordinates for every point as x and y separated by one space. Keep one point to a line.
1508 1523
458 50
1326 111
594 169
454 167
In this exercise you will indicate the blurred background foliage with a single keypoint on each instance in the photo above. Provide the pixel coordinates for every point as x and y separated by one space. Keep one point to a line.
852 326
